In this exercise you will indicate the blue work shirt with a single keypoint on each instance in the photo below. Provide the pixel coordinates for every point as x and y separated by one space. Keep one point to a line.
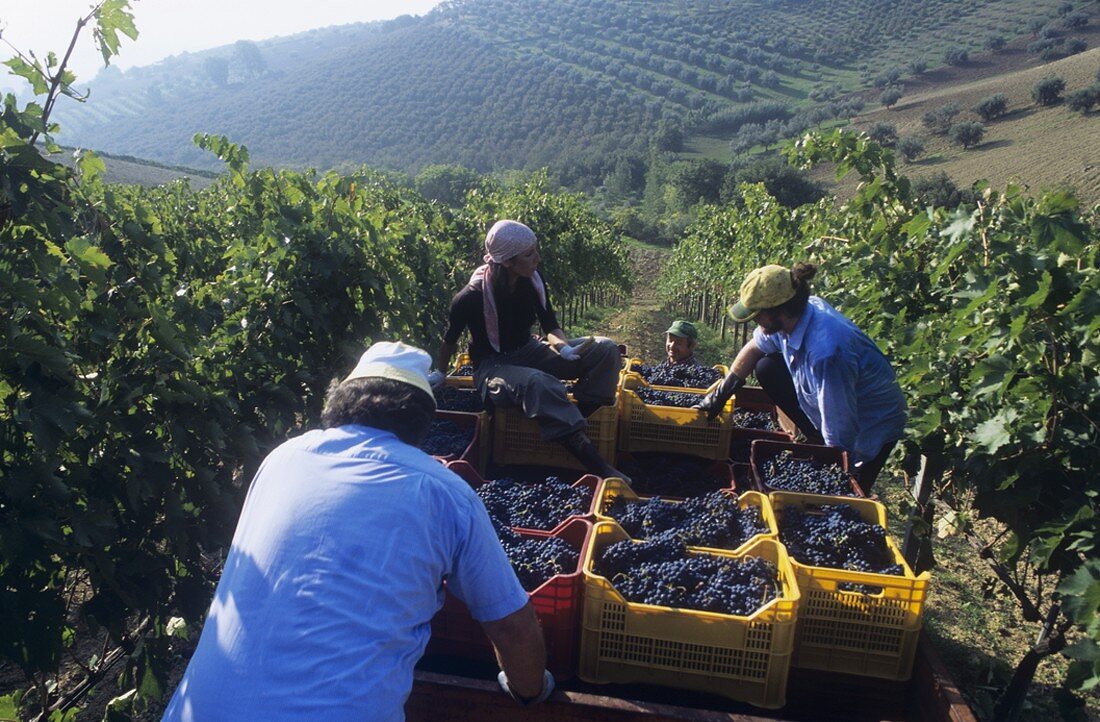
335 572
843 382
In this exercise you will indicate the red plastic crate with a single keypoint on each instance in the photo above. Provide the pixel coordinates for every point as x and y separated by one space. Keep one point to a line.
477 451
763 450
558 605
589 481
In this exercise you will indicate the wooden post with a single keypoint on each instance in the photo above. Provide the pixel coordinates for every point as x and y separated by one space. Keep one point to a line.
917 546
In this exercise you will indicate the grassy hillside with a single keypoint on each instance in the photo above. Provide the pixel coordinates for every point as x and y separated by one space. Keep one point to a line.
1039 147
498 84
135 171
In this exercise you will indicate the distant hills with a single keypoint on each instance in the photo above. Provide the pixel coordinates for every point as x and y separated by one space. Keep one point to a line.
497 84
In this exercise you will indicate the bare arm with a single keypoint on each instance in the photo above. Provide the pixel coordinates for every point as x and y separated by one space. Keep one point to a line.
745 362
521 651
444 355
557 338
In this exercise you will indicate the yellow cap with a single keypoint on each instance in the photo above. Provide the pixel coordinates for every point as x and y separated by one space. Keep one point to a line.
765 287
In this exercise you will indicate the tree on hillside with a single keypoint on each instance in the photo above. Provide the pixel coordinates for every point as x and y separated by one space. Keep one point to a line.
791 187
993 43
890 96
1084 100
885 134
1076 21
917 66
1075 45
910 146
217 70
939 120
249 58
669 137
697 181
447 184
1048 91
940 191
956 55
967 133
992 106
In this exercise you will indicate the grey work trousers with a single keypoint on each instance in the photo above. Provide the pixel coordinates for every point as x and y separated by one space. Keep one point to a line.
529 377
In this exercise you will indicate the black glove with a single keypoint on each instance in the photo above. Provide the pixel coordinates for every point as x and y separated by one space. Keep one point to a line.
716 399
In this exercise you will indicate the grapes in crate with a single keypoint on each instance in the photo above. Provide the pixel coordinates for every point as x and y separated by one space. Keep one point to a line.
464 370
448 398
714 520
787 473
759 420
658 397
684 375
837 537
671 475
541 505
446 438
659 571
535 561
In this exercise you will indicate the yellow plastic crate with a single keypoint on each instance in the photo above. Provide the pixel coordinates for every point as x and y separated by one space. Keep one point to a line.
613 488
670 428
629 363
874 635
743 658
460 382
516 439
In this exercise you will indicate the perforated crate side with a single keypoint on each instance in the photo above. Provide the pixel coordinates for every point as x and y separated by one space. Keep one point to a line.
843 630
743 658
516 439
669 428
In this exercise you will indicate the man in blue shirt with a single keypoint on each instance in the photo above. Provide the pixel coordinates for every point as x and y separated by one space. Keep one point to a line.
337 567
825 373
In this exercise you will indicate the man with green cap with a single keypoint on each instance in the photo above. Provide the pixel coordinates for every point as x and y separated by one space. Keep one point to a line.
821 370
680 340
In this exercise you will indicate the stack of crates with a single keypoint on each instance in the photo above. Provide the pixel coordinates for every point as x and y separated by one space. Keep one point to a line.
517 439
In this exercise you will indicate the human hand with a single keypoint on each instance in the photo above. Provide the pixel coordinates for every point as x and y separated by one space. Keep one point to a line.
716 399
547 688
576 348
436 378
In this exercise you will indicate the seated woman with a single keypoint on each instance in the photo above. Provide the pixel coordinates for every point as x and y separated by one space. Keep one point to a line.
511 367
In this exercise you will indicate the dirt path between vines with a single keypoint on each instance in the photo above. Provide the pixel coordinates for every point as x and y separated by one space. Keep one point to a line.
641 323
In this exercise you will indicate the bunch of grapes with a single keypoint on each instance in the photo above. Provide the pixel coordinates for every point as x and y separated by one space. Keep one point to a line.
670 475
446 438
760 420
535 561
714 520
837 537
541 505
658 397
659 571
694 376
448 398
784 471
464 370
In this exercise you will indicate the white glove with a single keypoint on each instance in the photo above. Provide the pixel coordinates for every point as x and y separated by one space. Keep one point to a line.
436 378
569 353
547 688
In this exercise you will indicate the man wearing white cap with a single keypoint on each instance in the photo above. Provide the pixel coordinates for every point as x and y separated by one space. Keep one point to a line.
338 562
503 299
826 374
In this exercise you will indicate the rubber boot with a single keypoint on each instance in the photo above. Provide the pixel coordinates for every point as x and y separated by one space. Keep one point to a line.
579 445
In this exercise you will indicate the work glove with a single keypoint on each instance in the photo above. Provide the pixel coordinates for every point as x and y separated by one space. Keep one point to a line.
436 379
573 350
547 688
716 399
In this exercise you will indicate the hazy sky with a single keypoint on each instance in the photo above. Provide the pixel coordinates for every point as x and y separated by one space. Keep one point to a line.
168 27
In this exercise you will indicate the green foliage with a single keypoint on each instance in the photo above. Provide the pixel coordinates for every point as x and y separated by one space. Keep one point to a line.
910 146
885 134
891 96
990 316
1085 99
967 133
940 120
447 184
992 107
956 55
1048 91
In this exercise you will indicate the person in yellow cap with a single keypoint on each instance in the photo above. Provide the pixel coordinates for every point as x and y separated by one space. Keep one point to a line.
825 373
338 561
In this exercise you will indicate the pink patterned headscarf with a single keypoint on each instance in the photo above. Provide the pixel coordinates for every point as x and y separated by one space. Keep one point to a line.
505 240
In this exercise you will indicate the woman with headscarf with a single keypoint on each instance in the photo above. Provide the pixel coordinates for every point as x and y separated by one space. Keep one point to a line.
504 297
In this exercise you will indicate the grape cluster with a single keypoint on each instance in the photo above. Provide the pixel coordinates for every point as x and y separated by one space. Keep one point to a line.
541 505
837 537
465 370
658 397
695 376
784 471
448 398
535 561
760 420
670 475
659 571
446 438
714 520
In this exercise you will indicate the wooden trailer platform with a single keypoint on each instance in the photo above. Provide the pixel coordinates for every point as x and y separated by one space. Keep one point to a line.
441 691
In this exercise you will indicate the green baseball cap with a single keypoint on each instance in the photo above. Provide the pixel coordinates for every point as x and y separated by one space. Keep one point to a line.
765 287
683 329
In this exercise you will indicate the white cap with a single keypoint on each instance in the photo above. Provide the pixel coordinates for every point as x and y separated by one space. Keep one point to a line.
396 361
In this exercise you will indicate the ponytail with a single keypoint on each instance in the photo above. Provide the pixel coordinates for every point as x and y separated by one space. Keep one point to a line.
801 274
